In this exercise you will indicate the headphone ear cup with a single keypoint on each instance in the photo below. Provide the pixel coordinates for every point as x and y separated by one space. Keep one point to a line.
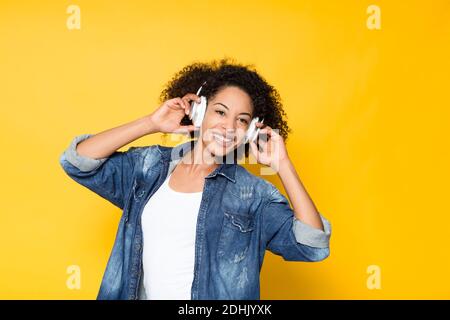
253 131
193 111
250 134
202 110
257 130
198 112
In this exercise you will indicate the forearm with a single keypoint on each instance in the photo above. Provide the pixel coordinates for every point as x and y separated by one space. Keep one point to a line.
303 207
103 144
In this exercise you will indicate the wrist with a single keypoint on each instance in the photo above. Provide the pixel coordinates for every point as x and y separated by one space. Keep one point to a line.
283 165
149 125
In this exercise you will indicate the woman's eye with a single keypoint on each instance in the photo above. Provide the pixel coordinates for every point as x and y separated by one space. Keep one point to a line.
244 121
220 112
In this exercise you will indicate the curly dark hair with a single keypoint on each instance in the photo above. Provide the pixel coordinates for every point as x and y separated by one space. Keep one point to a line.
218 74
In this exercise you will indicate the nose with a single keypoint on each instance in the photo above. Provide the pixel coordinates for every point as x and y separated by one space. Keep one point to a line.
229 125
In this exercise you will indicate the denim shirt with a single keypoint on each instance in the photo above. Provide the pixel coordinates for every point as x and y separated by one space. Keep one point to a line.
240 217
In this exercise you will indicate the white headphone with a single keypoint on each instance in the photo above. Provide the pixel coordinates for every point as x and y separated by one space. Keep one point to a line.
198 110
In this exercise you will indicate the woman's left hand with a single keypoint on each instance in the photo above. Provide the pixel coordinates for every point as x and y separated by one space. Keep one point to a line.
273 151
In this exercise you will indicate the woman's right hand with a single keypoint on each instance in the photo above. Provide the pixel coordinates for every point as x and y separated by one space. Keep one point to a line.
167 118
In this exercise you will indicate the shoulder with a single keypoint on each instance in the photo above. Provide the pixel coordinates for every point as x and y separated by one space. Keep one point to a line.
144 151
145 157
259 186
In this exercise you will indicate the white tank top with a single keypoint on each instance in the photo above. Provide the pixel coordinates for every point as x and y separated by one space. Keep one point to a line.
169 221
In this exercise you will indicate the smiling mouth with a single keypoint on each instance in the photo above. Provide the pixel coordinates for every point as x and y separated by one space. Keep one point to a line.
220 139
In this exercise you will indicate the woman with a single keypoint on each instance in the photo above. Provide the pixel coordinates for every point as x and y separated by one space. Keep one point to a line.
195 223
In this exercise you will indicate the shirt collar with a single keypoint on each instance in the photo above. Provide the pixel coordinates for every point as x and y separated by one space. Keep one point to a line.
169 154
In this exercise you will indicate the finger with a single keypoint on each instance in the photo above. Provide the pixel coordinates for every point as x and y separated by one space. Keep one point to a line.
186 129
267 128
262 142
254 149
181 103
262 145
192 97
176 104
187 107
272 132
269 131
180 131
172 103
265 131
191 127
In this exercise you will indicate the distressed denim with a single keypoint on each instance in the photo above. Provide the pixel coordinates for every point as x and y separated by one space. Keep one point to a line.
240 217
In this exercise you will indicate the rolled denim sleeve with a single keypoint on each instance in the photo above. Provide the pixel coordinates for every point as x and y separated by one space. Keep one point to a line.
289 237
313 237
111 177
81 162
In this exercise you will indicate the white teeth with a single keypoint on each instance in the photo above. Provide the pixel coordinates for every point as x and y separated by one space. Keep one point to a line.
221 139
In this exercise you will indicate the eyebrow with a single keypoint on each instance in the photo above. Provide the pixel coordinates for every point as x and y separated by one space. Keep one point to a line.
229 109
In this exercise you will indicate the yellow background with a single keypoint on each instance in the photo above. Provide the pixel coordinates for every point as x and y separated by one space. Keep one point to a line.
369 111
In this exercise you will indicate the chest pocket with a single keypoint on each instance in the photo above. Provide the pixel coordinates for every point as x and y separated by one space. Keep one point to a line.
243 222
235 237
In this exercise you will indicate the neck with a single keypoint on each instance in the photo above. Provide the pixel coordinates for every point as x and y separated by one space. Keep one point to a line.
201 159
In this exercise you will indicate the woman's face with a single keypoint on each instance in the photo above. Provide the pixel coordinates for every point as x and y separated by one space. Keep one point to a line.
226 120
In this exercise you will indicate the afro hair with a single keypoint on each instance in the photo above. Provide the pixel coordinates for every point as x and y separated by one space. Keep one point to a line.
218 74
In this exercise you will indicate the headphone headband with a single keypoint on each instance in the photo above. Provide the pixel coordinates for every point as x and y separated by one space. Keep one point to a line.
199 89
